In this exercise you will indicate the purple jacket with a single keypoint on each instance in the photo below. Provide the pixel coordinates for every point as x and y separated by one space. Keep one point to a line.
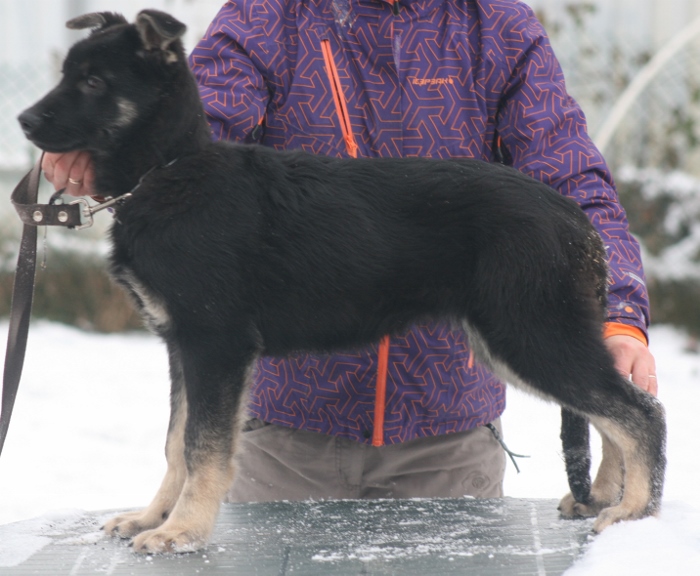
436 78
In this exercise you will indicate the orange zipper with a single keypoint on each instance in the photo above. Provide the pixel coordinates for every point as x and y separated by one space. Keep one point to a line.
352 147
380 395
339 98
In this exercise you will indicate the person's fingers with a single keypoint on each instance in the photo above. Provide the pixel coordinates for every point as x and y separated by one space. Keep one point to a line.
48 163
89 180
61 169
634 361
71 171
643 374
80 176
653 385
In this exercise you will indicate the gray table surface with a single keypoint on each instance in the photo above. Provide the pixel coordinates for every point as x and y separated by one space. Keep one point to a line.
403 537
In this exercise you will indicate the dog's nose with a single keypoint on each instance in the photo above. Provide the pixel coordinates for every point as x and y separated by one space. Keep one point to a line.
30 120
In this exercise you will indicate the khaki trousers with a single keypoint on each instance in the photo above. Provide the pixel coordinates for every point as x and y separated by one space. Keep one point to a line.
280 463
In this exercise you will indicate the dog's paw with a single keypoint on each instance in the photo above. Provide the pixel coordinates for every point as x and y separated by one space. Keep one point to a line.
567 506
160 541
614 514
570 508
132 523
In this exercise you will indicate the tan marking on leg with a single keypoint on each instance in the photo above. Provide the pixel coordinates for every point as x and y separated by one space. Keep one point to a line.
191 522
132 523
637 477
607 486
242 415
606 489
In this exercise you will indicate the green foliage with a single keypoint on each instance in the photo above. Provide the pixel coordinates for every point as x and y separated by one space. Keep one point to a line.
76 290
664 213
578 11
648 217
676 302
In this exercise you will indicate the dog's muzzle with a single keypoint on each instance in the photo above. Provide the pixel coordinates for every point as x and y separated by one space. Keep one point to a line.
31 121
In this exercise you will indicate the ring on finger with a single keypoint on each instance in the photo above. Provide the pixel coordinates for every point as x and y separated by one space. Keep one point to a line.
75 182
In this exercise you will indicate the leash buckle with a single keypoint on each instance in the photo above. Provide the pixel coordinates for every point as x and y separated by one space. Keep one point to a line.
86 213
88 210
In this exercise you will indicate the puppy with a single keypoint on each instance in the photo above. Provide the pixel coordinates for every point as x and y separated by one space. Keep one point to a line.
231 252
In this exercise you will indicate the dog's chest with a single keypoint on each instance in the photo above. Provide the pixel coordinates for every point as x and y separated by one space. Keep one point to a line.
150 305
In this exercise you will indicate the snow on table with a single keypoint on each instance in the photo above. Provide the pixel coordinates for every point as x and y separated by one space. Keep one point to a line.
407 537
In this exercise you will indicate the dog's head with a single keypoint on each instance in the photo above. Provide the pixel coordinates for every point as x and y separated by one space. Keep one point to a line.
111 81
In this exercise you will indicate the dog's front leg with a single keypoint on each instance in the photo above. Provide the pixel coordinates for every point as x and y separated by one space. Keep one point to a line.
132 523
215 393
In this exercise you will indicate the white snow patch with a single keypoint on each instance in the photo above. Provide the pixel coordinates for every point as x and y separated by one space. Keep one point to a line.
22 540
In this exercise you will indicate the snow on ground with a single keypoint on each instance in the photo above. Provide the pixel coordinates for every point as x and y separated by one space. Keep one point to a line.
89 426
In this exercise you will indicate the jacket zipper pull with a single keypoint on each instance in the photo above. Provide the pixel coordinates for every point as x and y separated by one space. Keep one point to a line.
396 7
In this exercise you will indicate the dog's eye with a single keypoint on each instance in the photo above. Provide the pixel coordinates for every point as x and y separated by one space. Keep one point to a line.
94 82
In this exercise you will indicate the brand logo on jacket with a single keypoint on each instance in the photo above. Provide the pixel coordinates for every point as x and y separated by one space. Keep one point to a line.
432 81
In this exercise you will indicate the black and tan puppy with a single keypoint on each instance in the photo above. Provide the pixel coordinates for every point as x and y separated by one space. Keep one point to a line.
231 252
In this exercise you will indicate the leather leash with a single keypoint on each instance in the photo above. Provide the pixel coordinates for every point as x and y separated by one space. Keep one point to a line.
24 199
77 215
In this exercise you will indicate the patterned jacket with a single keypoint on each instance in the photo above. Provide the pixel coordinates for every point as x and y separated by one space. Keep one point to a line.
436 78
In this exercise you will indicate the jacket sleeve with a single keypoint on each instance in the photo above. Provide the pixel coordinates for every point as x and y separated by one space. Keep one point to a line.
231 85
544 132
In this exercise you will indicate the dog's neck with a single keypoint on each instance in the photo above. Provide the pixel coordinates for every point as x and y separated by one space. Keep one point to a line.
180 134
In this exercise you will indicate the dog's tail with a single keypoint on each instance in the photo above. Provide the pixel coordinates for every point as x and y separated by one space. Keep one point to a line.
575 439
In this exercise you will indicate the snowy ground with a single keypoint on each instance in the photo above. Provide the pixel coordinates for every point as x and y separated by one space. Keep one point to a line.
90 419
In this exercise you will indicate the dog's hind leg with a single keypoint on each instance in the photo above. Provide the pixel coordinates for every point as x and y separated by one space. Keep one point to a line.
576 370
637 441
132 523
632 425
215 382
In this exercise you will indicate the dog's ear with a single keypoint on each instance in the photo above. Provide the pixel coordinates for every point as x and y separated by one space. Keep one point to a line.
96 21
158 30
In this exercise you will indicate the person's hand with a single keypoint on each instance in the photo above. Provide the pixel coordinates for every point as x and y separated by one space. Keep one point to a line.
633 359
71 170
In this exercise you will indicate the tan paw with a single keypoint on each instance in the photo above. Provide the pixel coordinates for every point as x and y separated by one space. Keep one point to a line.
610 516
569 508
130 524
160 541
566 506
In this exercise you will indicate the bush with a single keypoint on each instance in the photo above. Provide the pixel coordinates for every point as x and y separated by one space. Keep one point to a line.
664 213
76 290
676 302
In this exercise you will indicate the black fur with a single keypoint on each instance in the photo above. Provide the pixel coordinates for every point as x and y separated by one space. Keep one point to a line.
575 439
234 251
